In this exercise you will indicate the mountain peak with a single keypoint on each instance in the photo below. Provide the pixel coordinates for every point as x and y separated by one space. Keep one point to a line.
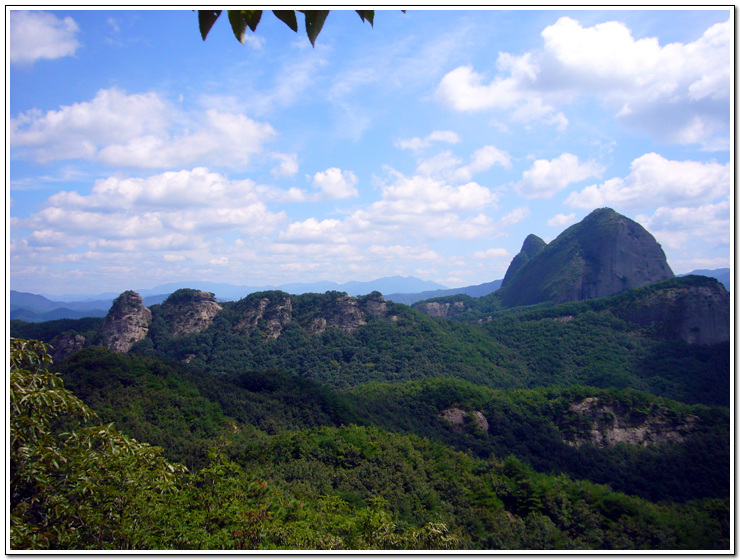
600 256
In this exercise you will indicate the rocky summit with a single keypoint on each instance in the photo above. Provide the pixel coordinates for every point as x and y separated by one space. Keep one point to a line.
188 311
606 253
127 322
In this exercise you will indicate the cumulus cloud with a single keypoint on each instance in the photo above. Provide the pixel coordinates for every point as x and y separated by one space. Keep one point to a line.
656 181
449 167
547 177
222 139
335 184
135 130
36 35
287 166
171 211
416 144
674 227
678 92
465 90
561 220
493 253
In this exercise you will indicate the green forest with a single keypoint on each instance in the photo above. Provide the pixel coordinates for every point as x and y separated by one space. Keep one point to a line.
489 431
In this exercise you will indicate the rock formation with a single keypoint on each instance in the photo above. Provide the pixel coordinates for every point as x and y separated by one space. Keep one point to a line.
66 344
602 255
269 311
126 323
458 418
695 309
531 247
613 423
441 308
189 311
344 313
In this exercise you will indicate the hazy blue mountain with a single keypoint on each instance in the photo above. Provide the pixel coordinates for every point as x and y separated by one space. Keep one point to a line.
54 314
36 308
721 274
478 290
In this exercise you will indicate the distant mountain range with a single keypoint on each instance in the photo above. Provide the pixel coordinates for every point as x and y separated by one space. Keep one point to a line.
35 308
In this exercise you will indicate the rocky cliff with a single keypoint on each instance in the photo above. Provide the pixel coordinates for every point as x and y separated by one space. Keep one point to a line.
188 311
605 424
271 312
126 323
459 419
443 309
531 247
604 254
695 309
66 344
268 311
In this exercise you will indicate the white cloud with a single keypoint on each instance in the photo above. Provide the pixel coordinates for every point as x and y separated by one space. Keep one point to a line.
223 139
288 165
403 253
36 35
493 253
545 178
314 231
172 211
674 227
514 217
76 131
417 144
335 184
657 181
447 166
561 220
136 130
679 92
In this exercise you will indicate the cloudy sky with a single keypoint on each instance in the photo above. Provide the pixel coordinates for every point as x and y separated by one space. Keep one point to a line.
427 146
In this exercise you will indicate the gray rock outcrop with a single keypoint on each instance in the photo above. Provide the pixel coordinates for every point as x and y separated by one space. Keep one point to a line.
270 312
126 323
694 309
610 424
189 311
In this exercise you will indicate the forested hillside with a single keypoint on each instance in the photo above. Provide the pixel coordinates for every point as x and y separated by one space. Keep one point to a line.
324 421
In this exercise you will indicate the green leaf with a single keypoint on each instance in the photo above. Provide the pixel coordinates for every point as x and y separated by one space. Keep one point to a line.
367 15
288 18
206 19
241 19
314 22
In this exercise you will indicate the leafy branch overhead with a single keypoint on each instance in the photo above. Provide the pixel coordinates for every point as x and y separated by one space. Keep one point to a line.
240 20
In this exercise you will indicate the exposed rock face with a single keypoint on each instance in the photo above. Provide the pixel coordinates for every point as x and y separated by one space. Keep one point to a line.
459 417
531 247
374 304
189 311
602 255
66 344
271 311
127 322
346 314
611 423
694 309
441 308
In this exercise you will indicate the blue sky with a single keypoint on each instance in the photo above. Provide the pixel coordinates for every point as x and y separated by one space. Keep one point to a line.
429 145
